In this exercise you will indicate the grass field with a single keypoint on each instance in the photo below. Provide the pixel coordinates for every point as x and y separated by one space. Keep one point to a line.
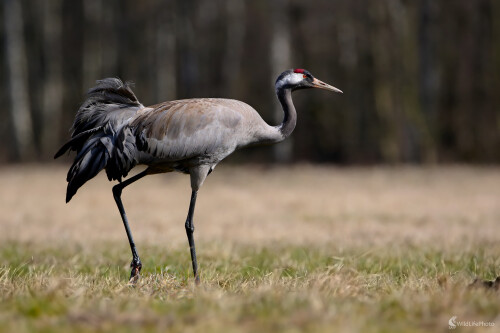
313 249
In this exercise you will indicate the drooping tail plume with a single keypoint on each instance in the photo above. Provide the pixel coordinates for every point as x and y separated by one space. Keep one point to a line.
100 135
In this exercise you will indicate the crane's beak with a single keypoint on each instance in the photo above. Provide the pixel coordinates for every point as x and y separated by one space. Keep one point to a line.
322 85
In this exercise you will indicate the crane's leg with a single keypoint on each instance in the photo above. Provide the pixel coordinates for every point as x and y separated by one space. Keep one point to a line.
198 175
189 231
136 264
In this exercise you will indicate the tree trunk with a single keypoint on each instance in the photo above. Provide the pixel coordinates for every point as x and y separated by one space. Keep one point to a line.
280 61
235 34
52 86
428 78
188 68
165 58
92 40
22 125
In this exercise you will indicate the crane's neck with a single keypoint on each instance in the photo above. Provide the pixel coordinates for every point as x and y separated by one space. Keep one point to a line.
267 134
290 115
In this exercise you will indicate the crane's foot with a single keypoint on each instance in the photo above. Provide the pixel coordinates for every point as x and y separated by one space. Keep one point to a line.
197 280
136 266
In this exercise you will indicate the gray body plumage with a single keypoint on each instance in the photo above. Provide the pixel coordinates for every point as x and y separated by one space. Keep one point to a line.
185 133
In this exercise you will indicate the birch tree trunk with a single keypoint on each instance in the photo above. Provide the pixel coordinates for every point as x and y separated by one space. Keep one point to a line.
22 125
280 60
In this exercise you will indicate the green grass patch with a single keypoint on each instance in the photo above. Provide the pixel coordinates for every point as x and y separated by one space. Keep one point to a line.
270 288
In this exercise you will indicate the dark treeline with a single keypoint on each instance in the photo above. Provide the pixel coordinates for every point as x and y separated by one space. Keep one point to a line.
421 79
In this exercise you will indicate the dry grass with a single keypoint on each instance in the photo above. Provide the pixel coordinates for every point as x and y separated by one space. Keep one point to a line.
281 249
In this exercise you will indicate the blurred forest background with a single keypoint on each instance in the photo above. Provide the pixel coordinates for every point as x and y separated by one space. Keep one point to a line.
421 79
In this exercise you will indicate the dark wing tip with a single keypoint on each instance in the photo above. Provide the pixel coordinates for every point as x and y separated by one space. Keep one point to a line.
69 195
61 151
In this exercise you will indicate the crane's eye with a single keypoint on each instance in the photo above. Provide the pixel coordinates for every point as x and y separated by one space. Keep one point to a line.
304 76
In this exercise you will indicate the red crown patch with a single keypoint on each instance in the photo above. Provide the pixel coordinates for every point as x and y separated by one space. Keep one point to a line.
298 70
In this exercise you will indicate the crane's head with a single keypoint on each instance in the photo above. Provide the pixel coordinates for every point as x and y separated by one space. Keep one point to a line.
301 79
